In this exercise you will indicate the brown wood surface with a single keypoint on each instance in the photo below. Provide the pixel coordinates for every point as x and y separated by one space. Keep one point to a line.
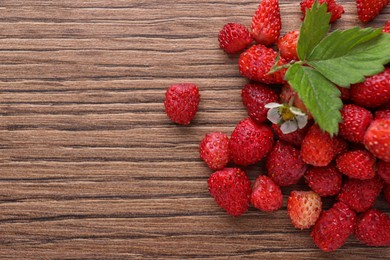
90 165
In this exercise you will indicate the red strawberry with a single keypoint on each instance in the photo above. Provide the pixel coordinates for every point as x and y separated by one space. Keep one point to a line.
288 45
294 138
231 189
284 164
355 122
383 169
214 150
374 91
358 164
380 114
368 9
345 93
181 102
255 97
266 22
340 146
386 193
335 9
266 195
360 195
234 37
250 142
304 208
317 148
386 28
288 93
377 139
257 61
373 228
325 181
333 227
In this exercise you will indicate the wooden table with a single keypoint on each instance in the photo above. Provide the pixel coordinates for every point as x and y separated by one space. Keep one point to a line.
91 167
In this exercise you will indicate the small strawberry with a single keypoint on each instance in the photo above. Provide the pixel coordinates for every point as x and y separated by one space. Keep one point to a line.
383 170
333 227
360 195
234 37
255 97
386 28
369 9
335 9
295 138
358 164
377 139
284 164
325 181
266 195
355 122
304 208
380 114
214 150
373 228
373 92
287 46
250 142
340 146
345 93
386 193
181 102
231 189
266 22
317 147
257 61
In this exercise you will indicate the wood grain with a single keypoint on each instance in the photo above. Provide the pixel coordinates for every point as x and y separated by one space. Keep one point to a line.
91 167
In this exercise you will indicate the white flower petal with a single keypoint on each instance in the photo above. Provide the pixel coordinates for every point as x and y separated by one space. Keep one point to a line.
289 127
273 105
302 121
297 111
274 116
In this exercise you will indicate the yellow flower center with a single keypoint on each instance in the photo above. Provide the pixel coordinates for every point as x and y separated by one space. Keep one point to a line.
286 113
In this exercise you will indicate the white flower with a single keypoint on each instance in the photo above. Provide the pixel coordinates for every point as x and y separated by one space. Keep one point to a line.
290 118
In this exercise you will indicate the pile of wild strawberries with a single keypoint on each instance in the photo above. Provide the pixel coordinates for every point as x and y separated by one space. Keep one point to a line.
353 166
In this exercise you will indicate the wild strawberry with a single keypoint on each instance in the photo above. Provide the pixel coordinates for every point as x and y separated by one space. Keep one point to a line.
231 189
214 150
234 37
373 92
360 195
383 169
181 102
325 181
287 46
335 9
333 227
295 138
355 122
257 61
357 164
386 28
317 147
266 195
266 22
380 114
284 164
288 94
255 97
345 93
340 146
304 208
373 228
368 9
377 139
250 142
386 193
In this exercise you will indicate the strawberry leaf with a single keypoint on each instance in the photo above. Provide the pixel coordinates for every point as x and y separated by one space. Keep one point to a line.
346 57
313 30
320 96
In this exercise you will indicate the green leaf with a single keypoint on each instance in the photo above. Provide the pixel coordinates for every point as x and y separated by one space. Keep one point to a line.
313 29
346 57
320 96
